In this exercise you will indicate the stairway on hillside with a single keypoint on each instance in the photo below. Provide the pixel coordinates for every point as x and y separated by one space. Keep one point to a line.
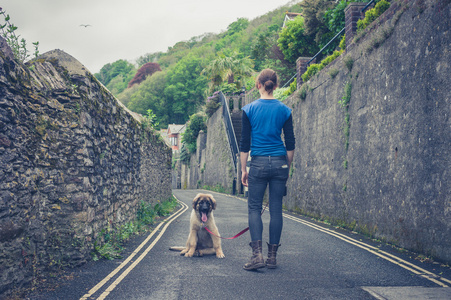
236 123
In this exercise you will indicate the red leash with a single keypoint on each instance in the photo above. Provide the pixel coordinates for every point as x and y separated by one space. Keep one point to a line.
238 234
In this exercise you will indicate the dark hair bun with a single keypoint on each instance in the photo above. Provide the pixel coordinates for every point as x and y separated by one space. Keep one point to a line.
269 85
267 78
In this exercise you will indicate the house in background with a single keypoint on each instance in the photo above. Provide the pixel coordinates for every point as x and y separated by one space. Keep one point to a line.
289 17
173 136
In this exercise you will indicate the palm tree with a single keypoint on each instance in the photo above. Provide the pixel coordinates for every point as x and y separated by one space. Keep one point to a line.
230 68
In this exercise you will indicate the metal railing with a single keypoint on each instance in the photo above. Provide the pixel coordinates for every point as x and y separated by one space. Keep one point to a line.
229 129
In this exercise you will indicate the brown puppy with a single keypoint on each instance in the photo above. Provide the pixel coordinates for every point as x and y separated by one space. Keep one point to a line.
200 241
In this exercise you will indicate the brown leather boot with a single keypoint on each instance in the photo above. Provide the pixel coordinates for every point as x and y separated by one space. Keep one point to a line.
256 261
271 262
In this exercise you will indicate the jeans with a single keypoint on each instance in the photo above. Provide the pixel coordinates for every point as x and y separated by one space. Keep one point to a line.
264 170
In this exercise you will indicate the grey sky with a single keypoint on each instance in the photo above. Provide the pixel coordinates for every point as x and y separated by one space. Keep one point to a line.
124 29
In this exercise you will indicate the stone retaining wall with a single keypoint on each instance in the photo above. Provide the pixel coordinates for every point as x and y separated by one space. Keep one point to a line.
381 165
73 161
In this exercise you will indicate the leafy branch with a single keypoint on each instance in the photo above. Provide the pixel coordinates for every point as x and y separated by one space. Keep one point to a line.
18 46
150 121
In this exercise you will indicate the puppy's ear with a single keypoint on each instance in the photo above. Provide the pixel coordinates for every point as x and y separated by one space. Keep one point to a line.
213 201
195 200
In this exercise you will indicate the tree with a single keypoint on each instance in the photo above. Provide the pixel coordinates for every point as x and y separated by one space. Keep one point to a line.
334 19
237 26
232 69
146 70
315 26
121 68
148 95
293 41
147 58
195 125
261 48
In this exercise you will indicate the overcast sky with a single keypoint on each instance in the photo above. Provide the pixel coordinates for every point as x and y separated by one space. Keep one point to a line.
123 29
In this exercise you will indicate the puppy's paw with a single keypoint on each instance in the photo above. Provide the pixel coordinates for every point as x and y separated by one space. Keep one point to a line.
220 254
188 254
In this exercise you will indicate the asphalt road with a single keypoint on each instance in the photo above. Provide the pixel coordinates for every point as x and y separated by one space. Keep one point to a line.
314 262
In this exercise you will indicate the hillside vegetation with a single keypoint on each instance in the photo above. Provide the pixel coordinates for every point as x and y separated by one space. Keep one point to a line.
193 70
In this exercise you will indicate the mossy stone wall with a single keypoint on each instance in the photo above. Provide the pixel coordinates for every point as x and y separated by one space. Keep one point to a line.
73 161
381 165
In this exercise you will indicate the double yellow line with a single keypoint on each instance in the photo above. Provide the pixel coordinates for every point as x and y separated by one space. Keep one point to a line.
443 282
131 256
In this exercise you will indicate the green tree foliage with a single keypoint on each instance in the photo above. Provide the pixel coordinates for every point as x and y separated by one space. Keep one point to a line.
315 26
261 50
197 122
173 94
185 88
293 41
121 71
334 18
181 88
148 58
237 26
148 95
234 69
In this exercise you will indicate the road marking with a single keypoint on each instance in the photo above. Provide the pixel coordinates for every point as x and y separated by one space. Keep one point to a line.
441 281
376 251
135 252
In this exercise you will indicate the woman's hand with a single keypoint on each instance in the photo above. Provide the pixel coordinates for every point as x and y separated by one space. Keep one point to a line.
244 173
244 178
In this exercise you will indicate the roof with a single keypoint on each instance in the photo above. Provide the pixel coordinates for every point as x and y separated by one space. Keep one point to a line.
289 17
176 128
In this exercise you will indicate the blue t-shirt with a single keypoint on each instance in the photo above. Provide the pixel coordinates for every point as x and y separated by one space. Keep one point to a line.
267 118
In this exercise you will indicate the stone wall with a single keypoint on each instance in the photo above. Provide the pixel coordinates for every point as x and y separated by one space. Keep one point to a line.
218 168
381 165
73 161
212 164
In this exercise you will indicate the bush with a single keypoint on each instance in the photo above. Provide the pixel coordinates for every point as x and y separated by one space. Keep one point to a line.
373 14
194 126
212 105
280 93
330 58
311 70
315 68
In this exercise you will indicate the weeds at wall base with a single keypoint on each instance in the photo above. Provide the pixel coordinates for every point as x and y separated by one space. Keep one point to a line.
110 241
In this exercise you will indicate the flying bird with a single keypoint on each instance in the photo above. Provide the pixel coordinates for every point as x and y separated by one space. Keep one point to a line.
85 25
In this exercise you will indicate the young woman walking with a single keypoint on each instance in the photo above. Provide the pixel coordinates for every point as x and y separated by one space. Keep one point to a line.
262 123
